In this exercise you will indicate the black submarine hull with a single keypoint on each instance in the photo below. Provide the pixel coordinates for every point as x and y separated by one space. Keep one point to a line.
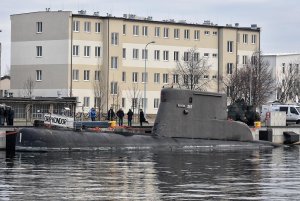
186 119
41 139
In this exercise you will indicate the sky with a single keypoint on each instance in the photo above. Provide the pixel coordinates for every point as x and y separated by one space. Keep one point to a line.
279 19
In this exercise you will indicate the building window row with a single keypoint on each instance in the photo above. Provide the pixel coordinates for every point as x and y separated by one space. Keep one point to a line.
136 103
246 40
165 55
86 26
165 32
86 75
165 77
86 51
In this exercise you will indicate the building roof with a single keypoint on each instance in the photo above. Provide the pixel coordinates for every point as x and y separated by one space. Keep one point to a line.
281 54
149 19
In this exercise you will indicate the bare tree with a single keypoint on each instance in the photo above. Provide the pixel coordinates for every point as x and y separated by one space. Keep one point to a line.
288 86
29 86
100 92
135 95
253 82
192 71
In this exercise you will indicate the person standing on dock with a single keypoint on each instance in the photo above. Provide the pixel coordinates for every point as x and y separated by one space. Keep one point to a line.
142 118
110 114
129 115
2 115
93 114
120 115
10 116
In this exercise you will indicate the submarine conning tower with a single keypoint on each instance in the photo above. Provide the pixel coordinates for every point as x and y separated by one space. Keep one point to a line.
197 114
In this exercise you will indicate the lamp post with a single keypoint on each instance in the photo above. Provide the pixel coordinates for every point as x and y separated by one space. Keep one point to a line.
145 81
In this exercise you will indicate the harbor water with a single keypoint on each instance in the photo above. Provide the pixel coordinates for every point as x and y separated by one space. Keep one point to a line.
270 174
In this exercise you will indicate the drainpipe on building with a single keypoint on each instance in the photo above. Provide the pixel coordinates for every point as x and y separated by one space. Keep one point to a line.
71 62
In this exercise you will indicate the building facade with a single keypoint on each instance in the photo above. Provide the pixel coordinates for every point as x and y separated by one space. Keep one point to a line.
281 64
109 61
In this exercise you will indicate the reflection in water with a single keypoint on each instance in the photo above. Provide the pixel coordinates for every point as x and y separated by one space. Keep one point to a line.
149 175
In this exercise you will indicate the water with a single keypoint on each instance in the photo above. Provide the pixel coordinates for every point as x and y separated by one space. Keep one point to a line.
152 175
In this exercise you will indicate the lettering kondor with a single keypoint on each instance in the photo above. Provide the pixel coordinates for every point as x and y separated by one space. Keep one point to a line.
55 120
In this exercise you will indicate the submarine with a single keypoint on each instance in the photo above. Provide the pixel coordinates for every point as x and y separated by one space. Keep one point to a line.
186 119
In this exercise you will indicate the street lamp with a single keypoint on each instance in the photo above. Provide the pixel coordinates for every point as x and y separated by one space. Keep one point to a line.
145 83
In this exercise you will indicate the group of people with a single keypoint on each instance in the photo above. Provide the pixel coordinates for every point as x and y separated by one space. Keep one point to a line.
6 115
111 116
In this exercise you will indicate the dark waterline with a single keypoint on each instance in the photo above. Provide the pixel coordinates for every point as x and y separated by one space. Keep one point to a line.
272 174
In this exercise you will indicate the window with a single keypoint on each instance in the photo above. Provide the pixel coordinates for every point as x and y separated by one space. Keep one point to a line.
114 88
186 56
156 77
207 32
229 68
294 111
39 27
124 53
76 25
86 75
135 53
87 51
230 46
156 54
39 51
144 77
75 75
165 78
214 77
230 90
123 102
186 34
124 76
156 103
245 38
114 62
87 26
114 38
245 59
157 32
196 78
215 33
97 51
185 79
176 55
124 29
134 77
39 75
206 54
196 56
135 30
145 31
134 102
253 39
176 33
144 54
283 68
97 75
166 32
214 55
166 55
175 78
75 50
196 34
86 101
97 27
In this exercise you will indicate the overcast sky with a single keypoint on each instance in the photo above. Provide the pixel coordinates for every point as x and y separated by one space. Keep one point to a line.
279 19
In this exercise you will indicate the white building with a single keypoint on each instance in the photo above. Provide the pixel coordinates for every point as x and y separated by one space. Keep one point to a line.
280 63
